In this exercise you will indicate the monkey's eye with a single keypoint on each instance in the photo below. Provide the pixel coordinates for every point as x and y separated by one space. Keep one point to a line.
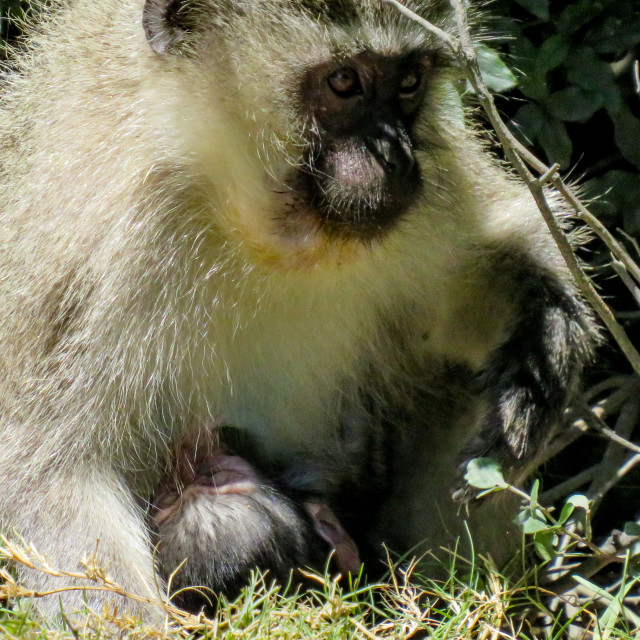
410 82
345 82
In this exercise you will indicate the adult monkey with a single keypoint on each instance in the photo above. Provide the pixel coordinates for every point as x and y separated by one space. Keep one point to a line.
267 214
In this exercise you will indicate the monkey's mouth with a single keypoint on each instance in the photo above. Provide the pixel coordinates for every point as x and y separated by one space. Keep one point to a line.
354 192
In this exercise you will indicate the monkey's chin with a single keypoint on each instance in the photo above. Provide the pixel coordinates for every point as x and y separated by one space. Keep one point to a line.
288 236
295 230
360 203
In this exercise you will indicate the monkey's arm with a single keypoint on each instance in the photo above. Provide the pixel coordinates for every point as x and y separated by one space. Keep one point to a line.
528 380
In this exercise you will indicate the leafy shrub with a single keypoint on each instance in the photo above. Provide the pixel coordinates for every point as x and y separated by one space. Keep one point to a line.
577 98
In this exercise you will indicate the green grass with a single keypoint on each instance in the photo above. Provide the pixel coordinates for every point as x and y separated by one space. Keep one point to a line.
475 601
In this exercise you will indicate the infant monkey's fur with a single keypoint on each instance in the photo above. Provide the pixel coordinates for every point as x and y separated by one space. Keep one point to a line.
218 518
268 214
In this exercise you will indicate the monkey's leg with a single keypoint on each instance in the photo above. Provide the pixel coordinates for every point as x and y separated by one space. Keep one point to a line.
506 408
84 515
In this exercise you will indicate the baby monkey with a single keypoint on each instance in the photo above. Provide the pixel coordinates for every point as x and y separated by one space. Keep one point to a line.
221 518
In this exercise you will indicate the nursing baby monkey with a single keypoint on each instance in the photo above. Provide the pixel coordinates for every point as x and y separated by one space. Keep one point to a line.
268 214
218 519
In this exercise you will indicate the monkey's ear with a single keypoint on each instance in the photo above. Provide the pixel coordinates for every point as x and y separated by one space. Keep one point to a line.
328 527
166 23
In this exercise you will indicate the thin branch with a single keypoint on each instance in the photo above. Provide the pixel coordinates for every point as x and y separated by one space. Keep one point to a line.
537 190
570 485
623 274
613 549
584 418
613 382
596 423
609 482
582 212
428 26
611 404
614 457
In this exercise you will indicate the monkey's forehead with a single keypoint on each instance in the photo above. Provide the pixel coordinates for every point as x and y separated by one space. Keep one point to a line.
346 27
336 11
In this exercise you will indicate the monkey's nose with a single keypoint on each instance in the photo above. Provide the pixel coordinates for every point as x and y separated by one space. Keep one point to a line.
390 146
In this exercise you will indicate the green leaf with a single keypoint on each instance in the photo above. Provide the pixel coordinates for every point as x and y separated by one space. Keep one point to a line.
566 512
574 104
532 521
484 473
556 142
534 86
527 122
495 73
535 489
524 54
539 8
579 501
586 69
577 14
613 192
576 501
632 528
552 53
627 134
543 542
615 35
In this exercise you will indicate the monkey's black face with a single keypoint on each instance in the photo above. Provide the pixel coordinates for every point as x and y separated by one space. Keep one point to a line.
339 155
360 172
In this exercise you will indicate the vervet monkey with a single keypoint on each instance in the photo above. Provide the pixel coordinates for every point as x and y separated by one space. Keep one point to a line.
218 518
268 214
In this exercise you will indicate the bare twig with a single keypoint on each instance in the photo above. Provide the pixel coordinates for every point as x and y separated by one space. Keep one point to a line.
595 422
611 404
613 549
630 239
611 470
451 42
613 382
608 482
621 271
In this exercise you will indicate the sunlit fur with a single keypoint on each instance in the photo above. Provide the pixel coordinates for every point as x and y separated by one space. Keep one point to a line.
152 283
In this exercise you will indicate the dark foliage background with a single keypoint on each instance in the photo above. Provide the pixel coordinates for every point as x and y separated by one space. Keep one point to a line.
568 85
576 98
